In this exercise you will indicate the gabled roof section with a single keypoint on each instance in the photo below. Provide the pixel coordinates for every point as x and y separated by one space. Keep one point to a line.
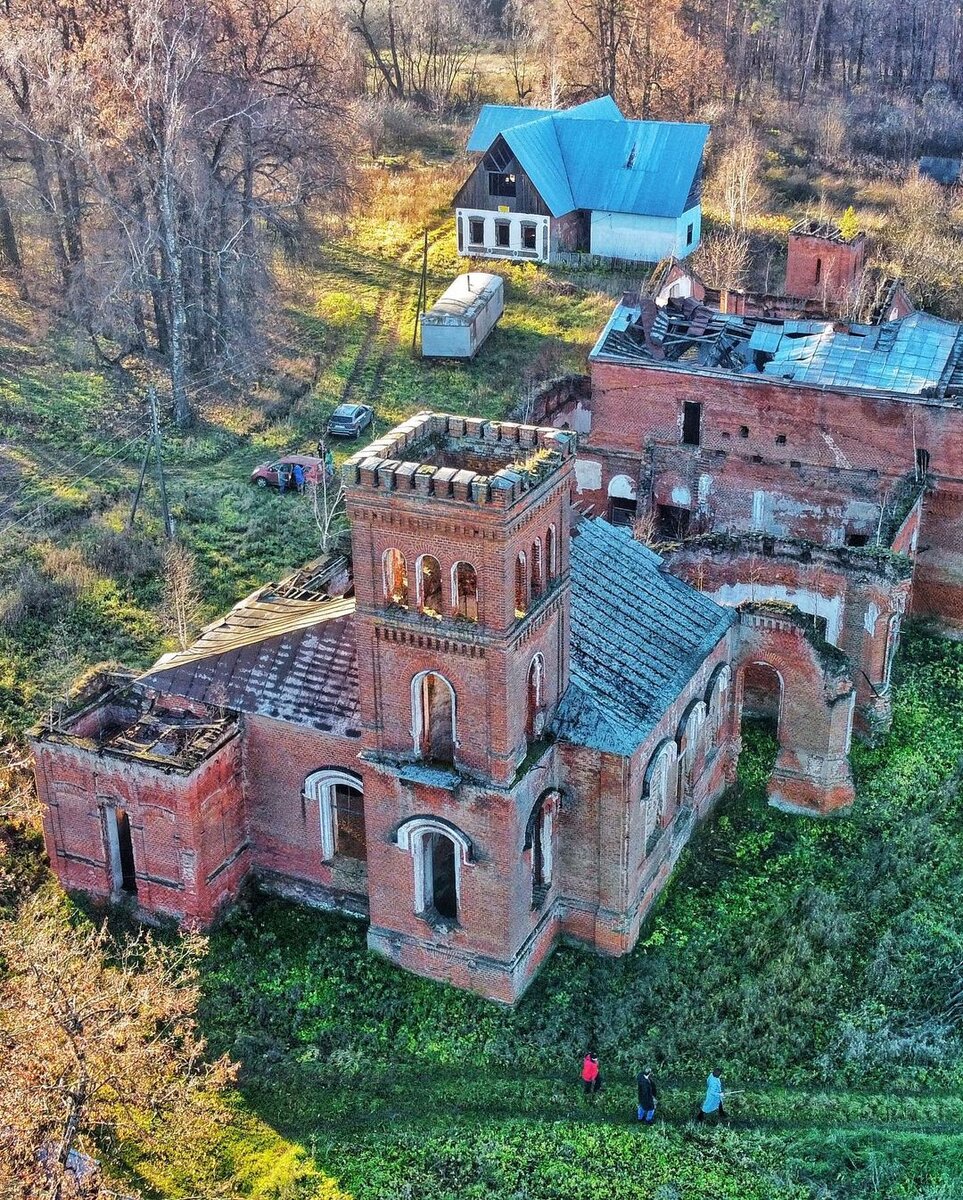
273 655
638 637
591 157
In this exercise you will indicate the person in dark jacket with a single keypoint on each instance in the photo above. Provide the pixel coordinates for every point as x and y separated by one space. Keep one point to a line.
647 1096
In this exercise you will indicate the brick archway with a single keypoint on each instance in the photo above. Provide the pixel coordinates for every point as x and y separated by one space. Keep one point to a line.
810 695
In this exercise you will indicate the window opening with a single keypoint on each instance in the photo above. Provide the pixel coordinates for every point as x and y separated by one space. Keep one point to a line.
521 586
395 577
672 523
122 851
535 719
349 821
501 183
780 439
551 552
503 234
689 234
461 234
465 591
922 463
622 511
430 599
819 269
441 884
538 581
436 718
743 431
857 539
691 423
476 232
529 236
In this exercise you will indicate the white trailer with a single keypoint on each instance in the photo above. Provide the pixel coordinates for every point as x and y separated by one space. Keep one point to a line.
461 319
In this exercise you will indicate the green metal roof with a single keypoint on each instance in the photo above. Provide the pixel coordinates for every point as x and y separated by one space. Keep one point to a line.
638 637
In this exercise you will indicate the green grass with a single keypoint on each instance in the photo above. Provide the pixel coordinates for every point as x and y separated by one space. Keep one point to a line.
815 961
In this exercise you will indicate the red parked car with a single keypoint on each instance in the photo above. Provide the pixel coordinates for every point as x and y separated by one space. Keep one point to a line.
270 474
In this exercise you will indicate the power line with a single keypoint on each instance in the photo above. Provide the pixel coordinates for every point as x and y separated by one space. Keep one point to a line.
122 456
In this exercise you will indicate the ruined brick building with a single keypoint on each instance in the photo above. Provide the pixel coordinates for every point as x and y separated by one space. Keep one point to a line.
499 724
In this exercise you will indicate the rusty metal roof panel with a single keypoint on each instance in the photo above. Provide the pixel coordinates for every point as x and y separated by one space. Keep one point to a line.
291 660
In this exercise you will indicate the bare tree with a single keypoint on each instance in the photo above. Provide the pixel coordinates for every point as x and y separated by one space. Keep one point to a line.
182 595
98 1038
327 498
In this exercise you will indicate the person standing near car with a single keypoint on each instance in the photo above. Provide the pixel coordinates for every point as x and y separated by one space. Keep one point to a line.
299 478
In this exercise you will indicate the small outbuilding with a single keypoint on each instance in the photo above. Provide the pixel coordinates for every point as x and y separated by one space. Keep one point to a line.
461 319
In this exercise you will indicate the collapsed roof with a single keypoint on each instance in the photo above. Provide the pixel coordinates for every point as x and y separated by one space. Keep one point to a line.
918 355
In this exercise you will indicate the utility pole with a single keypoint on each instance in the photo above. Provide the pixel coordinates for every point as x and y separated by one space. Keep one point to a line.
159 455
422 302
140 483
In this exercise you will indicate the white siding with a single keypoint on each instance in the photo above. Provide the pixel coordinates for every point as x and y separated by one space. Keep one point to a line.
514 250
644 239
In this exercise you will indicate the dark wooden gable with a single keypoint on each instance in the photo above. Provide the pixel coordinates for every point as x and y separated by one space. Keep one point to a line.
497 162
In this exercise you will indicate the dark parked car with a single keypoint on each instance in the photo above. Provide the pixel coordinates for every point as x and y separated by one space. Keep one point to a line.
269 474
350 420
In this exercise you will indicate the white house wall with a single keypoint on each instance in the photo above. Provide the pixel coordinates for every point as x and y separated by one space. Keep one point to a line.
644 239
514 250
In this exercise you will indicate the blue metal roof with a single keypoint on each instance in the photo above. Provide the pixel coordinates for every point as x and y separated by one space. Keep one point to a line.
638 637
591 157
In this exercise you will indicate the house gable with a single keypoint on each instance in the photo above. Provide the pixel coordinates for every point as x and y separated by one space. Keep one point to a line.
488 187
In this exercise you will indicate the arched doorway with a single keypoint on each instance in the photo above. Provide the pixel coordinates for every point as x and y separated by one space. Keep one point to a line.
762 690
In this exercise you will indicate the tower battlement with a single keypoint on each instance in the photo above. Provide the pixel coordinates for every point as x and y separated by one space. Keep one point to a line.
464 459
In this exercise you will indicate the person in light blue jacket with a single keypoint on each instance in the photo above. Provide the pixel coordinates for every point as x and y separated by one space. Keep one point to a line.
714 1097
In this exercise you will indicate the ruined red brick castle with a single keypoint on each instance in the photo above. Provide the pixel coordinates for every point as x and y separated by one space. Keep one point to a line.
499 724
504 735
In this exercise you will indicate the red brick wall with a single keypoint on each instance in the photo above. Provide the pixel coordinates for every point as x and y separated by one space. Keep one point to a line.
823 268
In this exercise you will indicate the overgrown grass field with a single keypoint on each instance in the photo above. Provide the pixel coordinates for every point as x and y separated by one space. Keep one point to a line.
820 963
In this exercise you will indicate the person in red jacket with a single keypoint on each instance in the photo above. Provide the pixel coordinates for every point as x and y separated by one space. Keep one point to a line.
591 1079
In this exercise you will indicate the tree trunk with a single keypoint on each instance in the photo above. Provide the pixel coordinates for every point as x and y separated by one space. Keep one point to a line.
177 352
10 247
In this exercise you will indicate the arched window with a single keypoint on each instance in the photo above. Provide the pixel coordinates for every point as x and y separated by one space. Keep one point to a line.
430 601
521 585
395 572
340 801
535 709
551 553
464 591
539 840
538 570
659 789
433 707
717 700
689 744
892 645
438 851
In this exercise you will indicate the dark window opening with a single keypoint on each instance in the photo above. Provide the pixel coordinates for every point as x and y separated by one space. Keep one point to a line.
535 718
501 183
691 423
780 439
461 234
529 235
349 815
822 627
672 523
622 511
857 539
498 158
125 851
503 233
819 269
756 458
922 463
443 890
689 234
476 232
794 462
743 431
538 574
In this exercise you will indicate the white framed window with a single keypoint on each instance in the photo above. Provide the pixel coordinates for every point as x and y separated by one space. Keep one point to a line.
540 841
339 796
434 717
438 851
689 739
717 702
659 787
535 707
